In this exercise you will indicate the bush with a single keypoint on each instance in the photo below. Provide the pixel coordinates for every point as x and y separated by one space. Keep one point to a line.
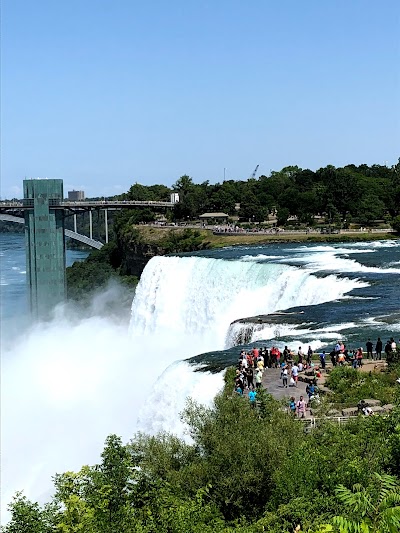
396 224
350 386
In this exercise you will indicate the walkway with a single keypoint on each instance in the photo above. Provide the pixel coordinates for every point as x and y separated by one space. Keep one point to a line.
273 384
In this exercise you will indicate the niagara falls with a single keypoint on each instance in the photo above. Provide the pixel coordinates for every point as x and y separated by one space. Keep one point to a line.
69 382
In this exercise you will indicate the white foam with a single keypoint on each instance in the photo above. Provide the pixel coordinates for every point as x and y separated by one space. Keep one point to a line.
168 396
331 262
260 257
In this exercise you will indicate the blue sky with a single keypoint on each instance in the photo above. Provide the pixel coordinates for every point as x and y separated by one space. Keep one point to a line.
107 93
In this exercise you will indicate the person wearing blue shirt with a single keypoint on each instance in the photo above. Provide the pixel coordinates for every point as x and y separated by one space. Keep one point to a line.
252 397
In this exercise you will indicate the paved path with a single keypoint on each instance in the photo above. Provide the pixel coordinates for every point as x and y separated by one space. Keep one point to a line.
272 381
273 384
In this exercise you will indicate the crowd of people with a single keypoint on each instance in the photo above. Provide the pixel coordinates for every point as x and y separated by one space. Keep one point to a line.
341 355
252 364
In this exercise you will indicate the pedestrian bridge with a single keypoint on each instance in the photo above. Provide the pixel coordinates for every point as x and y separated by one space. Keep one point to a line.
68 233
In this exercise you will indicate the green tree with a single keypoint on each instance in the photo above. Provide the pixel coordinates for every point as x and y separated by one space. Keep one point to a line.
369 209
282 216
28 517
396 224
372 509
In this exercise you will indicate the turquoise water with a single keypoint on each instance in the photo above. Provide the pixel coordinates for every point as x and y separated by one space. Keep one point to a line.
13 300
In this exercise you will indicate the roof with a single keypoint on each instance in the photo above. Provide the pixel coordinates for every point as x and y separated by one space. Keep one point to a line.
214 215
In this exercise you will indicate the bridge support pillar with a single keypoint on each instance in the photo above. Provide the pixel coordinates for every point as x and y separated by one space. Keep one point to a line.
106 223
90 224
45 245
75 224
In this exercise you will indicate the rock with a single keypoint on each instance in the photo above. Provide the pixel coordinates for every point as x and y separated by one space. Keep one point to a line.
372 403
334 413
377 409
349 411
388 407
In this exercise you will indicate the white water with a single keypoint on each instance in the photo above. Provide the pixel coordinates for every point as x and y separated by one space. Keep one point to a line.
69 383
197 298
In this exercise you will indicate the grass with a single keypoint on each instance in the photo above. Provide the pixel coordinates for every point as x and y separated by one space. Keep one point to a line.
151 234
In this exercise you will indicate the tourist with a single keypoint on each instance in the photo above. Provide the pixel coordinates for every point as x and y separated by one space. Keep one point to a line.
369 345
259 374
250 378
285 377
359 357
300 366
286 354
300 355
267 359
378 349
277 358
309 355
388 348
322 357
295 374
292 405
333 357
310 391
252 397
301 407
393 344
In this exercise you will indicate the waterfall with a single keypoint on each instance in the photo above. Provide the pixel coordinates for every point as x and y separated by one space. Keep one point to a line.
196 298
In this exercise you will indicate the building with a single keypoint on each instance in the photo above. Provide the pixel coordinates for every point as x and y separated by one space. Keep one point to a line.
76 196
217 217
174 197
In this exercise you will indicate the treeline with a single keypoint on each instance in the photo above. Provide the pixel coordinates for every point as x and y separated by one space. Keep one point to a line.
352 193
246 470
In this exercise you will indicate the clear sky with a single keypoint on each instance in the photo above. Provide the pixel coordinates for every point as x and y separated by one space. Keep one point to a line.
104 93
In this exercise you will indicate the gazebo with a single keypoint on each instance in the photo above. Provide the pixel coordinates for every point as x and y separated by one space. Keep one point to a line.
220 217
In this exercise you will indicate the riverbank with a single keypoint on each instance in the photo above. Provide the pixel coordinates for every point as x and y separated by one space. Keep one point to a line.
220 240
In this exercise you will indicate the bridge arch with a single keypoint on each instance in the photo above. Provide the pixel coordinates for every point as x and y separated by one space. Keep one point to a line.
68 233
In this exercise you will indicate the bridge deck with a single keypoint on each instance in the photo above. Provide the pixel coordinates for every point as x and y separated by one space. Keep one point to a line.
101 204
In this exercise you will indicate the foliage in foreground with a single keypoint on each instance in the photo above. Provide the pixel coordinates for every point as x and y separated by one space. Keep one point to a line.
246 470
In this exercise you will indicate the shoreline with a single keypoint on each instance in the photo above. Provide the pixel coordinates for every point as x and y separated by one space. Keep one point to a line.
220 240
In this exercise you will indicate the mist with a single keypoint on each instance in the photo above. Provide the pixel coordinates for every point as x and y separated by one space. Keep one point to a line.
69 382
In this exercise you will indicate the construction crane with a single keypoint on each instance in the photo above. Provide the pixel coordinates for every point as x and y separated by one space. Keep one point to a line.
254 173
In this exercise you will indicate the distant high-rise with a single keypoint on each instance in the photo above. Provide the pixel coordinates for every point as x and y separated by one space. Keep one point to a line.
76 196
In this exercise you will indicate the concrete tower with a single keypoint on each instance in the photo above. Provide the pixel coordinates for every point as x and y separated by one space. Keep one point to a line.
45 244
